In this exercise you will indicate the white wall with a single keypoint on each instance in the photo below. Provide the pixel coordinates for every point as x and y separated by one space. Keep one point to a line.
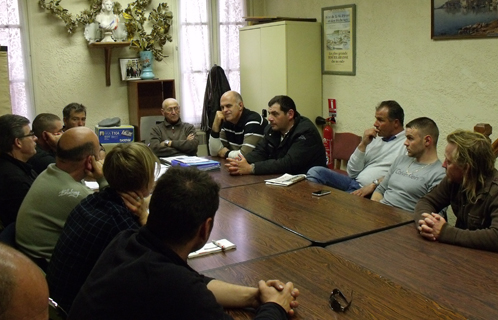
453 82
66 70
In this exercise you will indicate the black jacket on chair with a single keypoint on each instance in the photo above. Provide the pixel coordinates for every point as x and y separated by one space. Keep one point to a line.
217 85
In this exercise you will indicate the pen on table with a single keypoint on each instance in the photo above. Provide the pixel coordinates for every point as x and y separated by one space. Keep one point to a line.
218 245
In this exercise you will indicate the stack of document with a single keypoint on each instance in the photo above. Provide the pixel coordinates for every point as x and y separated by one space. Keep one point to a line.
286 179
213 247
187 161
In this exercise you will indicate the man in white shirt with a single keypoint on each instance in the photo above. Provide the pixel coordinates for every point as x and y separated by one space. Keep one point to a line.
373 157
414 175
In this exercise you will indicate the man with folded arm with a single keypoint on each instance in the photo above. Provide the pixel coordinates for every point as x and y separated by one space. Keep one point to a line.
172 137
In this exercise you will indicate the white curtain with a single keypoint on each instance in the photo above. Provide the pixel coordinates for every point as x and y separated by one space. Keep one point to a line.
13 34
208 35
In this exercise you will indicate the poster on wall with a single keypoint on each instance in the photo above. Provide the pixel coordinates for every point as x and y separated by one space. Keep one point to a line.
339 40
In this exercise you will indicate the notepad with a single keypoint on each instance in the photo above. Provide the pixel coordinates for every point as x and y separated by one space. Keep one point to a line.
286 179
187 161
213 247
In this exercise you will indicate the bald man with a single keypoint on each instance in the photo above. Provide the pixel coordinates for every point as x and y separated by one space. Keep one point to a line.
236 130
173 137
23 289
57 191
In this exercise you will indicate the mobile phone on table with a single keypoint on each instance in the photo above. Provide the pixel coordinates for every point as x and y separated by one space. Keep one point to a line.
320 193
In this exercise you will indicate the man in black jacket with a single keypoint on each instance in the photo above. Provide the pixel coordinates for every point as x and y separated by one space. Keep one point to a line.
291 144
17 145
144 274
48 129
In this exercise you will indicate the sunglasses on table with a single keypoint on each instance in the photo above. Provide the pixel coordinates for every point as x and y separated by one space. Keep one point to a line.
338 302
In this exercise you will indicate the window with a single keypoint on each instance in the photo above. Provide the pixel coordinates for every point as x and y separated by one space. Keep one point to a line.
14 36
209 34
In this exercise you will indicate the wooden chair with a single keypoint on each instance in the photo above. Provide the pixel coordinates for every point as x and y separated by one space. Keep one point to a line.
487 130
345 144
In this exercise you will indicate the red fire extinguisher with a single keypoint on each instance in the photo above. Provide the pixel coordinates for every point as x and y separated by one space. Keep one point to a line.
328 133
328 142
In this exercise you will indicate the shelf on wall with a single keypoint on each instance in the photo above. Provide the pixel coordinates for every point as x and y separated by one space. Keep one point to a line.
108 46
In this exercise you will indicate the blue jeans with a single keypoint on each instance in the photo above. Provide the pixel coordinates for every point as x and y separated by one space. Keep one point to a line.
332 179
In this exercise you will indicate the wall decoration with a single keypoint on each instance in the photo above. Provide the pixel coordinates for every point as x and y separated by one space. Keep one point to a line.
339 40
159 21
131 69
464 19
71 21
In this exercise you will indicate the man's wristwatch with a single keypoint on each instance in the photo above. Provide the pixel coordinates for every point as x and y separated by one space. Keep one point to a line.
166 142
376 182
226 154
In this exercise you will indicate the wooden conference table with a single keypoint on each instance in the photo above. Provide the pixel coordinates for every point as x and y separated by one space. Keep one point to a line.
254 237
226 180
323 220
316 272
461 279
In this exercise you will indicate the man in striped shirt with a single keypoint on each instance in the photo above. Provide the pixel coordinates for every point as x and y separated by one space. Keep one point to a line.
236 130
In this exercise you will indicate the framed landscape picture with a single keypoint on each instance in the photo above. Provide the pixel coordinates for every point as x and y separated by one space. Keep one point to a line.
131 69
464 19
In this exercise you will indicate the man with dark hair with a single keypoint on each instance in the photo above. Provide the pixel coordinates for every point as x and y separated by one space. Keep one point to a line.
48 129
471 188
23 289
17 146
173 137
291 144
130 171
74 115
236 130
144 274
57 191
373 157
414 175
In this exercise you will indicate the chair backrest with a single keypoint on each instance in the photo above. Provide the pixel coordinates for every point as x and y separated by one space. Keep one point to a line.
55 311
8 235
146 124
345 144
487 130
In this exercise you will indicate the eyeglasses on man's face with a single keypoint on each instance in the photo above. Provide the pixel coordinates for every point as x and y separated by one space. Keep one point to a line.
171 109
30 134
338 302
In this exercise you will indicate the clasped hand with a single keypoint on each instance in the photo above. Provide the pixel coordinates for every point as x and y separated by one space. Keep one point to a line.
283 294
430 226
238 166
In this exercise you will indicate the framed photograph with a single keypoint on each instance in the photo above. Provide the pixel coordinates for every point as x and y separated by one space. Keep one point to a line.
465 19
339 40
131 69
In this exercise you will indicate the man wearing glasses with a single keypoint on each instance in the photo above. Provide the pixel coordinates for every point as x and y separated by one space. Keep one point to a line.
48 129
173 137
17 145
